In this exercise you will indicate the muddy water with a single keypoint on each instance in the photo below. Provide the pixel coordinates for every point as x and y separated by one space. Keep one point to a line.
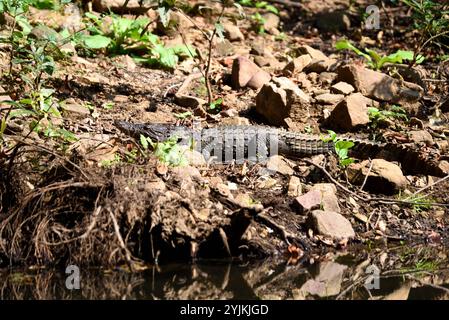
404 272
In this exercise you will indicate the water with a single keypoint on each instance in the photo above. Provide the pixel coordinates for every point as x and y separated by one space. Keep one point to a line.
405 272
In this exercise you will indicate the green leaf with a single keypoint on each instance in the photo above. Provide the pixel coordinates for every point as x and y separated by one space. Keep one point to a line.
345 44
346 162
96 41
144 142
2 127
332 136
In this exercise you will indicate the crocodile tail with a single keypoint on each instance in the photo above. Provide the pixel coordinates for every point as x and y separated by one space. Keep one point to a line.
364 149
412 161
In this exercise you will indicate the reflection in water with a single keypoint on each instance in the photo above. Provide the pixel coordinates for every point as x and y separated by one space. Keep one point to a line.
404 275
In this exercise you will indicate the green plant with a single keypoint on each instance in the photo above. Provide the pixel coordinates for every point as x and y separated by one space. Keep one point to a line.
341 148
168 151
131 35
183 115
259 4
377 116
374 60
31 64
431 19
417 202
216 105
258 22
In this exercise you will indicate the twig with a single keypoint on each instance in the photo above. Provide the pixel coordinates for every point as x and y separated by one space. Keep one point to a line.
429 186
379 199
367 174
120 241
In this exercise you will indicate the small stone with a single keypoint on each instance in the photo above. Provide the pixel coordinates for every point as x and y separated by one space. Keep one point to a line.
314 53
380 86
279 99
384 177
342 88
75 109
120 98
327 77
349 113
329 199
331 224
259 79
320 66
294 187
421 137
271 22
329 98
187 101
279 164
310 200
297 65
232 32
243 70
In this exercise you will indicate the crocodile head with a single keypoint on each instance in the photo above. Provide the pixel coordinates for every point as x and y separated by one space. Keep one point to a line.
157 132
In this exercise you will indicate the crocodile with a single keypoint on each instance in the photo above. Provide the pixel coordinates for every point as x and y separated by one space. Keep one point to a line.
254 143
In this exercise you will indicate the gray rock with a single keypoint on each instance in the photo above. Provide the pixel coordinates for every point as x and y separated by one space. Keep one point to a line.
327 77
271 22
330 224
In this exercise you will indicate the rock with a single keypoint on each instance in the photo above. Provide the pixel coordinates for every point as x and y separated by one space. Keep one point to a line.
232 32
243 70
127 62
279 164
327 283
132 6
327 77
379 86
342 88
320 66
279 99
271 22
263 61
259 79
349 113
294 187
187 101
421 137
235 121
330 224
297 65
384 177
314 53
443 167
310 200
329 200
74 109
329 98
333 21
